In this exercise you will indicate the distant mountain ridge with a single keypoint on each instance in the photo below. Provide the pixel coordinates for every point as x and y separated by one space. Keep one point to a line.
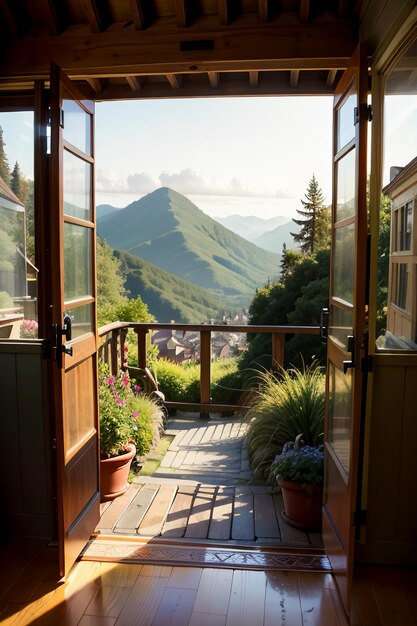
251 227
165 228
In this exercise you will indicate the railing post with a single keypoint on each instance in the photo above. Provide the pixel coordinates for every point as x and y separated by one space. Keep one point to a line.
205 367
141 333
278 349
113 351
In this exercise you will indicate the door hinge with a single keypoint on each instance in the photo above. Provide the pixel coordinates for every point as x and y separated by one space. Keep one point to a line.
61 117
366 364
360 517
363 112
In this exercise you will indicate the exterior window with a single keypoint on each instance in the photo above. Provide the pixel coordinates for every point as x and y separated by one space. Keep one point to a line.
401 291
403 228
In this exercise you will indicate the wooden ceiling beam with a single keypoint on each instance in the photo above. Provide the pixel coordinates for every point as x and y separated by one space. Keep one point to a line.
230 85
181 11
175 80
97 15
270 47
214 79
253 79
96 84
294 78
137 14
134 83
224 12
51 16
263 10
304 10
331 77
8 18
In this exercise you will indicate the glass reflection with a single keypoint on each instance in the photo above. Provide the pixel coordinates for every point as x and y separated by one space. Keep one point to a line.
346 194
346 122
81 319
344 262
77 125
77 187
341 325
77 262
340 411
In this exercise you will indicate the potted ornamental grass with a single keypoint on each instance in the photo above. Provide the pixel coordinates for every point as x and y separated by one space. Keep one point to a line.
299 471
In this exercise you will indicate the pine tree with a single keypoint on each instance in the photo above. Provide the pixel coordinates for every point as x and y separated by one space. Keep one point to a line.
18 183
4 164
289 259
314 225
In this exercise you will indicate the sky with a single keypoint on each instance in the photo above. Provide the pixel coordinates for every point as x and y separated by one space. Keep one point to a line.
247 156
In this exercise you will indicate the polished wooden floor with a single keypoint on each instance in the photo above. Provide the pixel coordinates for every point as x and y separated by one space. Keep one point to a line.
150 595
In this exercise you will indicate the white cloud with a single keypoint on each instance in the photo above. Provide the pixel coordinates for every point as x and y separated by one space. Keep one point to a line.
141 182
186 181
107 181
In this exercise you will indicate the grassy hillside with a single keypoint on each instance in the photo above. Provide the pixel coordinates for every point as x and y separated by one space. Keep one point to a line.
167 229
167 296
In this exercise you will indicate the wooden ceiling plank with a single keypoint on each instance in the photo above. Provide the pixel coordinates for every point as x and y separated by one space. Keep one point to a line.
138 14
304 10
134 83
8 18
294 78
96 15
214 78
263 10
331 77
224 14
175 80
181 11
253 79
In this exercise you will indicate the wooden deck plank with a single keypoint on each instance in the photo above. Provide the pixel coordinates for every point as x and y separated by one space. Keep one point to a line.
266 524
221 519
198 436
199 520
175 443
177 518
213 593
208 434
190 458
235 430
243 524
169 458
111 516
154 518
133 515
179 459
188 437
218 432
226 431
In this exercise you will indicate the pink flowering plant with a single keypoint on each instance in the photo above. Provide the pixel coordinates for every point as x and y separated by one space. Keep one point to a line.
118 416
29 329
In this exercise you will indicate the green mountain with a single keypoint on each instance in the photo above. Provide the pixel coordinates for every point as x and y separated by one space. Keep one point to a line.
167 229
167 296
274 239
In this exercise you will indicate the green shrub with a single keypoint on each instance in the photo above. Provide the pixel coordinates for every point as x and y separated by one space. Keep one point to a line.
282 406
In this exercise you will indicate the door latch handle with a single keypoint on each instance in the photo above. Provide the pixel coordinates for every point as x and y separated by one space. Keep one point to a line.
324 325
66 349
347 365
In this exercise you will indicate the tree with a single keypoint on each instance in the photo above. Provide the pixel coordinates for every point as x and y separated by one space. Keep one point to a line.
289 260
315 223
4 164
19 184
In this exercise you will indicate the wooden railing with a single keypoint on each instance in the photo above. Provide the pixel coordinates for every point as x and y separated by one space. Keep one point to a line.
112 339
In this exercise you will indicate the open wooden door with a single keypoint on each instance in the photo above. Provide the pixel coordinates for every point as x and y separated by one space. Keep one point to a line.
72 241
346 333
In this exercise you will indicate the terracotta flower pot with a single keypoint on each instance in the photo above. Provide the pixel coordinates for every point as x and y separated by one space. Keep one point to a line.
302 508
114 473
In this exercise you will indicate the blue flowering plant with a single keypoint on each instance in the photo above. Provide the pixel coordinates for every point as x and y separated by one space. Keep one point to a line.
300 464
118 417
